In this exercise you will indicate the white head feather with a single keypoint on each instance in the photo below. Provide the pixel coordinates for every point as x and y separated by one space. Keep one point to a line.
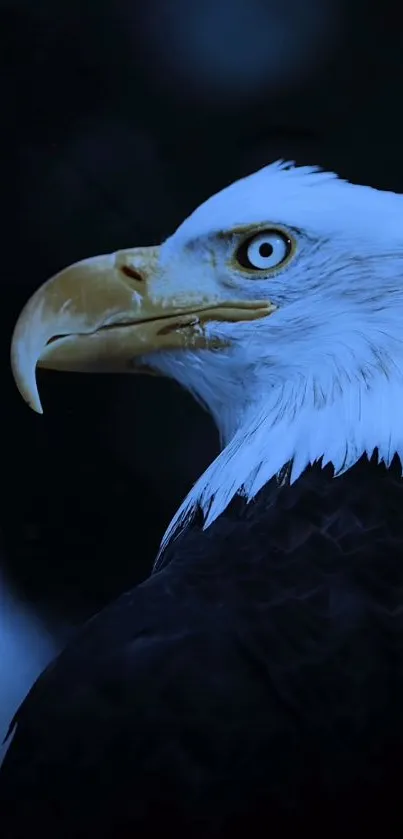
322 377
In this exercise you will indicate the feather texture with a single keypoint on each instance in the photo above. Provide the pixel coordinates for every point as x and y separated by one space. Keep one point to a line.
255 682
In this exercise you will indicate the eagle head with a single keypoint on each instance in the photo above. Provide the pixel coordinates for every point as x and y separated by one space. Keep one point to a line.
278 303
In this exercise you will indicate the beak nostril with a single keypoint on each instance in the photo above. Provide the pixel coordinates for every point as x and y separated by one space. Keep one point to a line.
130 272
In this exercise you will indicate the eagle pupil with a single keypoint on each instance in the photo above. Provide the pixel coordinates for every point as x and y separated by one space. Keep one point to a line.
266 249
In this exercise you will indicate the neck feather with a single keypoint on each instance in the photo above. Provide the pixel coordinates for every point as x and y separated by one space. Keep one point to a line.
299 424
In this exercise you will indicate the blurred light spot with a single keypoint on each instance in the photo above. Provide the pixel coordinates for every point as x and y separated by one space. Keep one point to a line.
26 648
232 47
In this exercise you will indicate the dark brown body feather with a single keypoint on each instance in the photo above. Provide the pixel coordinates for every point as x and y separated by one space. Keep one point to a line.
254 684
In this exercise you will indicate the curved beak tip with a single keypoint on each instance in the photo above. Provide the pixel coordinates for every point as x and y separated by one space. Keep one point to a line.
36 405
25 379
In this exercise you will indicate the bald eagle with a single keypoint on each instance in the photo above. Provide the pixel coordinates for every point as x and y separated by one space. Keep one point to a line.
255 681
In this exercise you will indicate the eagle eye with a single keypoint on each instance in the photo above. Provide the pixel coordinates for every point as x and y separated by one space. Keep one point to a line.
264 251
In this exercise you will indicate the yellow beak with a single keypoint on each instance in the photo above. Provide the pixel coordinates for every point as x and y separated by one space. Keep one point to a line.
100 314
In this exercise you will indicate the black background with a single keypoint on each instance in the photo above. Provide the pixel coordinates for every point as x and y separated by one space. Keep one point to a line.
117 119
